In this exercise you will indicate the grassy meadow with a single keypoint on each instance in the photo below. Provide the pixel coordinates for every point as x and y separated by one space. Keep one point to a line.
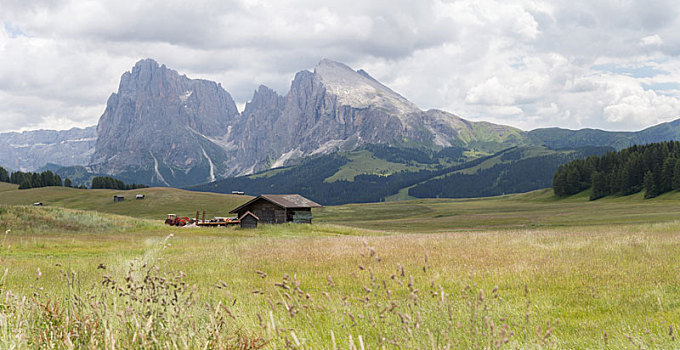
158 202
520 271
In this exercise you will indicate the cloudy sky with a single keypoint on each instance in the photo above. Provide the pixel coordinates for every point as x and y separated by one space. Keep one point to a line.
578 63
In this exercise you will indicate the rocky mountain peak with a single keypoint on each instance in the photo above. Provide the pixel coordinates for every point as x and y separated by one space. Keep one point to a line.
163 128
264 96
359 90
164 125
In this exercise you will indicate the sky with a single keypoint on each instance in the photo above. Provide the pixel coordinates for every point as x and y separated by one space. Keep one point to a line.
612 65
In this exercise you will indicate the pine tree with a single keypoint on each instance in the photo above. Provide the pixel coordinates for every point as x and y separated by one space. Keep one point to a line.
650 187
4 175
627 179
666 178
559 182
676 175
67 182
573 181
36 181
599 184
25 183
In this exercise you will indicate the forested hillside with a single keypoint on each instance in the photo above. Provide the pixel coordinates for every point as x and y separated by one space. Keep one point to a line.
309 179
654 168
423 174
512 171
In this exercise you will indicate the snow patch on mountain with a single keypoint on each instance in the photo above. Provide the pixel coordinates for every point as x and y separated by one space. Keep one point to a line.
296 153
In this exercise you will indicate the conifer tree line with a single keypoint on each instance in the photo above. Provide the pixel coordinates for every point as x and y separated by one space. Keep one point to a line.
113 184
47 178
32 180
652 168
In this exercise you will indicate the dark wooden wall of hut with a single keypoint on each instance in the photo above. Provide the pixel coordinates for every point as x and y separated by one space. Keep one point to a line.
248 222
266 211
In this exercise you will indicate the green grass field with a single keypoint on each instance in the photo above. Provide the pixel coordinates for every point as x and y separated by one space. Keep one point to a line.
520 271
157 202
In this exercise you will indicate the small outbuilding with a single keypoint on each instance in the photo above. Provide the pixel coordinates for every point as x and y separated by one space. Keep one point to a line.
118 198
248 220
279 208
38 204
139 196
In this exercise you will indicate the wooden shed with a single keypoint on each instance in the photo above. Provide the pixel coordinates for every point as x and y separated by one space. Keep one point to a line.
279 208
248 220
139 196
118 198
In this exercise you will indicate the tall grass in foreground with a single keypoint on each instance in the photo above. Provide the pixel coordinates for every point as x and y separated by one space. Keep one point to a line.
374 303
151 308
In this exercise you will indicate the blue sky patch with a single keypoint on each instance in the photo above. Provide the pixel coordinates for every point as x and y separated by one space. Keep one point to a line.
661 86
13 30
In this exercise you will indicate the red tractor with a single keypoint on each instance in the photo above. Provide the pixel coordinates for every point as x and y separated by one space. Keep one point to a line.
173 220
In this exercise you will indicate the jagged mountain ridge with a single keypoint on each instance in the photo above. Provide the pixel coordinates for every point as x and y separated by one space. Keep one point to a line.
30 150
165 129
162 128
336 108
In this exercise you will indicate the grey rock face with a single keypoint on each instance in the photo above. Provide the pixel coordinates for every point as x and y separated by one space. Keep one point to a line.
337 108
254 136
30 150
163 128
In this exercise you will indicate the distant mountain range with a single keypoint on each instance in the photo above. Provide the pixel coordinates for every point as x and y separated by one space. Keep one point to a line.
31 150
165 129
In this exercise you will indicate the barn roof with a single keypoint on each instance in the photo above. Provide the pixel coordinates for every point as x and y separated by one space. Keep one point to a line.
287 201
249 213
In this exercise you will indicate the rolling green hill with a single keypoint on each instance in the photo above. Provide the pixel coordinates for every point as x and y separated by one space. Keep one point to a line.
515 170
563 138
158 201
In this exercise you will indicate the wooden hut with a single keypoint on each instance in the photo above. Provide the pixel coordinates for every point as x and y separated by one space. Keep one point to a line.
279 208
248 220
139 196
118 198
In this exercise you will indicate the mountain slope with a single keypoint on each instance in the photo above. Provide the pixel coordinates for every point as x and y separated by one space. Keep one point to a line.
514 170
165 129
30 150
336 108
161 128
334 179
564 138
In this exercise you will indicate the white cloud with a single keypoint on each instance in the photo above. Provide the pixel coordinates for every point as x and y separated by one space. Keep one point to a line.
652 40
530 64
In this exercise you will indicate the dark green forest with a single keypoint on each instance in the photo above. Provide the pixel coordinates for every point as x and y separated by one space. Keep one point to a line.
652 168
46 178
31 180
514 173
113 184
308 179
